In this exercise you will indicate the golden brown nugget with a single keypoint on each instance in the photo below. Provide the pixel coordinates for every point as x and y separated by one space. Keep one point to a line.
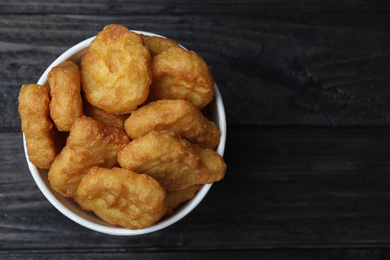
172 161
90 143
116 70
65 85
181 74
175 198
122 197
103 116
42 141
158 44
179 116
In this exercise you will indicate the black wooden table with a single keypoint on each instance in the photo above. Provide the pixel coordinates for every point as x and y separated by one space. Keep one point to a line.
306 88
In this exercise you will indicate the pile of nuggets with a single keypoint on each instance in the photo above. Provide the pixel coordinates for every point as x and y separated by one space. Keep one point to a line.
124 134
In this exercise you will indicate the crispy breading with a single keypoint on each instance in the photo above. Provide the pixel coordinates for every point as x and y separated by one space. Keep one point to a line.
122 197
103 116
181 74
179 116
65 85
90 143
116 70
175 198
174 162
158 44
42 140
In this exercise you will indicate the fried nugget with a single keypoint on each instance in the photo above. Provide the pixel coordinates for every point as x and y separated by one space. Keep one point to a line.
174 162
122 197
42 140
181 74
179 116
66 104
103 116
90 143
175 198
116 70
158 44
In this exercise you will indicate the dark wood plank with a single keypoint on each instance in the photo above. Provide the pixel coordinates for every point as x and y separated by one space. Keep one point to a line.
276 69
307 188
334 254
189 7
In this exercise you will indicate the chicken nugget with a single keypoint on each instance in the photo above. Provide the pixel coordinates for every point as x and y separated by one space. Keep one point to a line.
175 198
66 104
181 74
158 44
174 162
116 70
42 140
122 197
179 116
103 116
90 143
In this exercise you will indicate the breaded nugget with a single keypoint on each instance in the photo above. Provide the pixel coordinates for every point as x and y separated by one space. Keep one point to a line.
174 162
103 116
116 70
179 116
90 143
122 197
42 140
175 198
158 44
181 74
66 104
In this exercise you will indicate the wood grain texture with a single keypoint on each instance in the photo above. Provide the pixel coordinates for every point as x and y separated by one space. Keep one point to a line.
194 6
310 188
305 86
340 254
297 68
